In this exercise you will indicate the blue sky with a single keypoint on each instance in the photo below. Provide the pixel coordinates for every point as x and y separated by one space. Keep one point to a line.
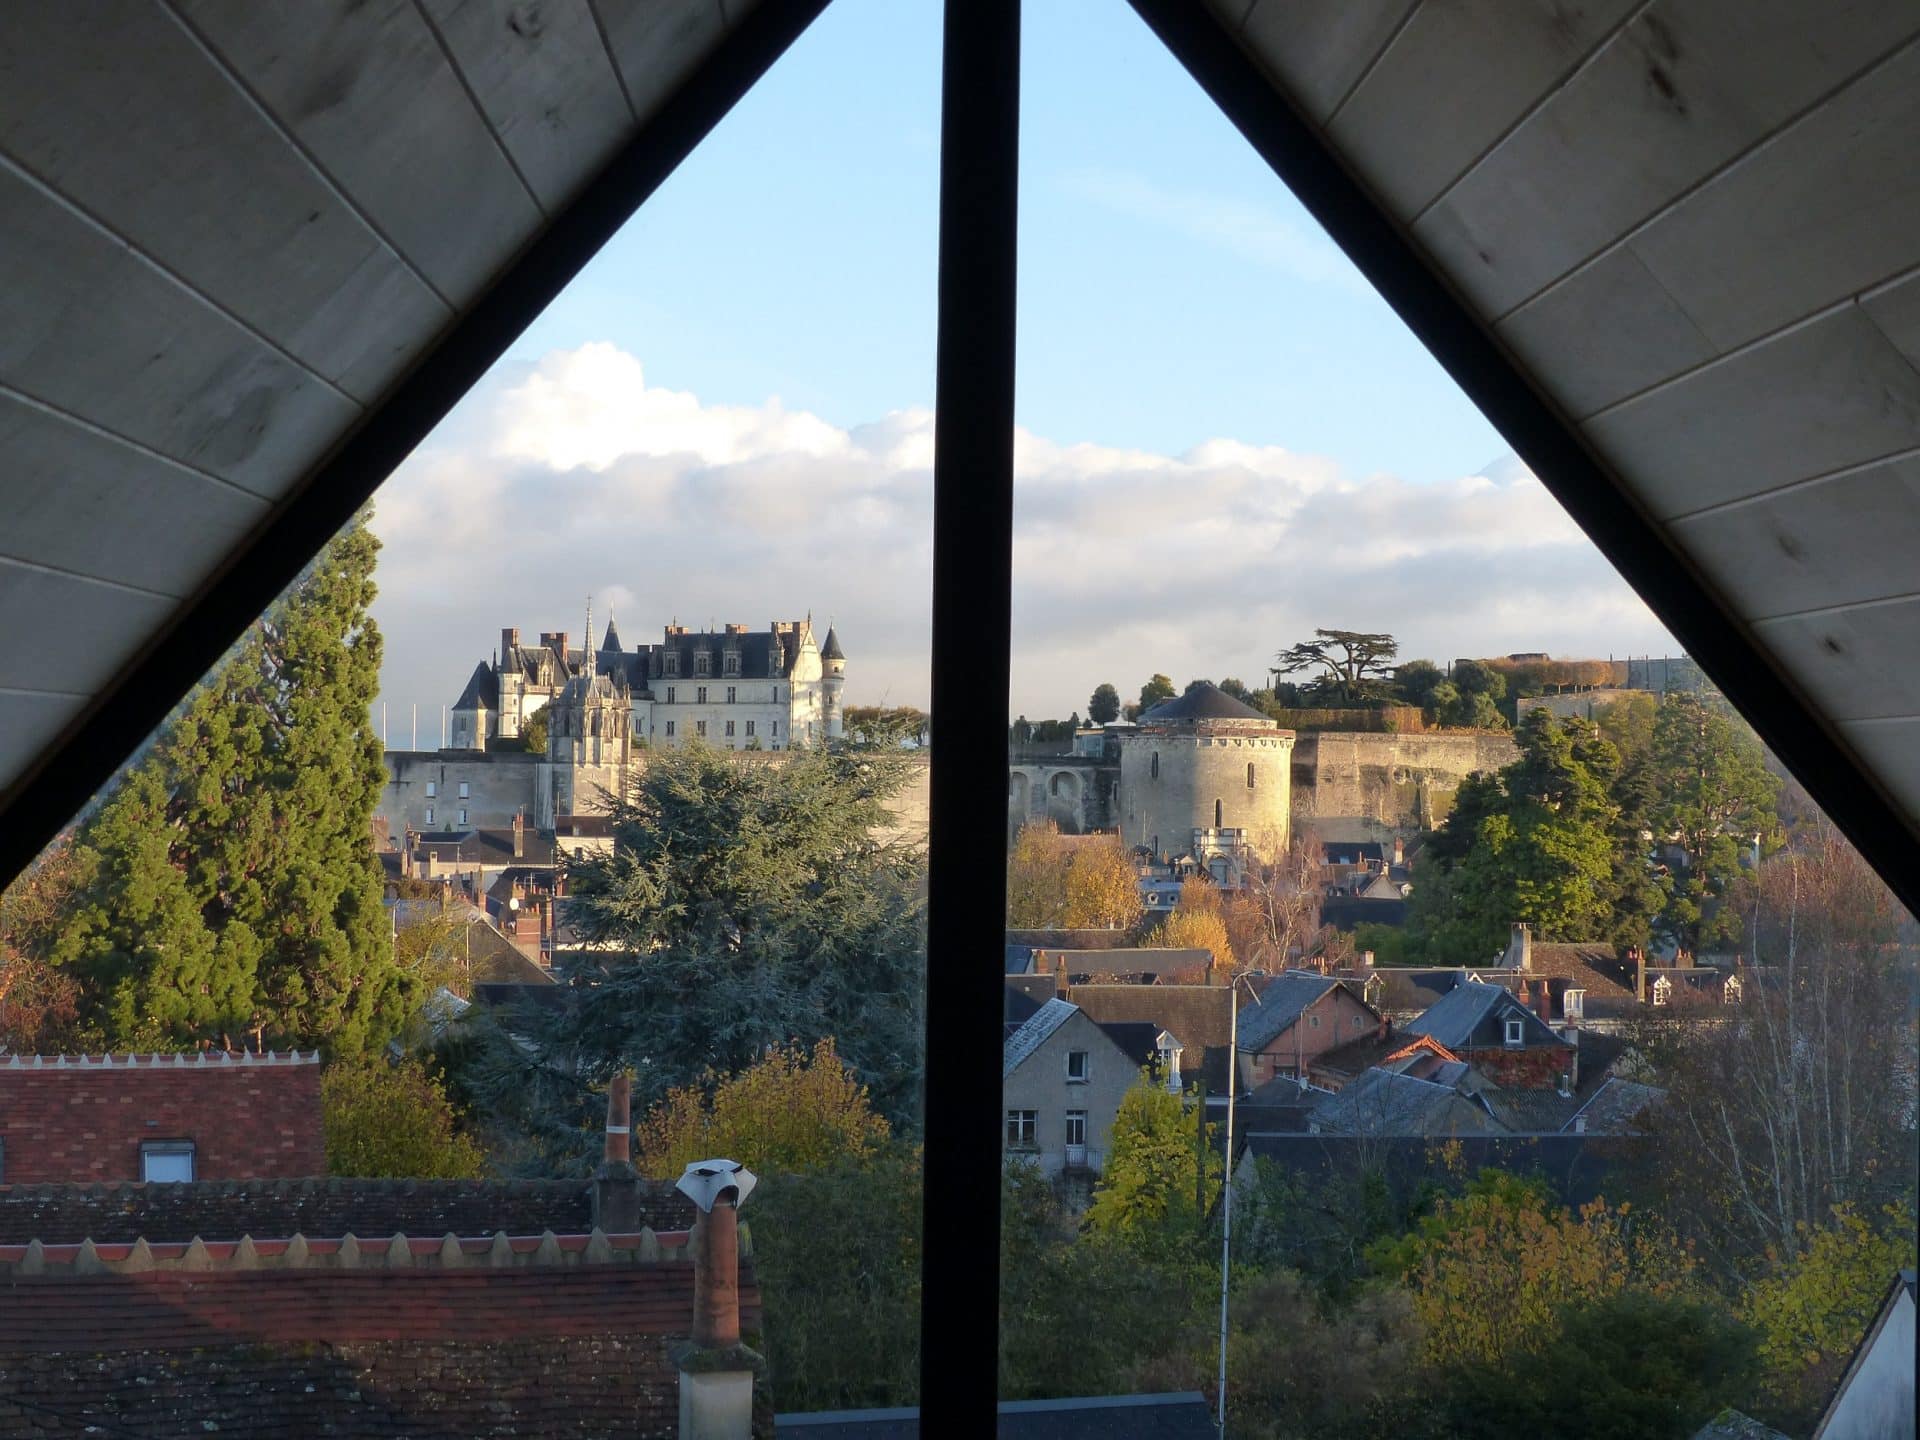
1228 439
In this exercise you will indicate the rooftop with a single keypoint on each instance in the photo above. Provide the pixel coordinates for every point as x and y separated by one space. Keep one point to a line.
1204 701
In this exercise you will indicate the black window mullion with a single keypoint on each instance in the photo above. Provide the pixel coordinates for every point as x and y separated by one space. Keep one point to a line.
972 615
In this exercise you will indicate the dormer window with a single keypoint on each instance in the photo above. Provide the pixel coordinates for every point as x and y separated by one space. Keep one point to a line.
1516 1031
1662 990
673 662
733 662
1574 1004
703 664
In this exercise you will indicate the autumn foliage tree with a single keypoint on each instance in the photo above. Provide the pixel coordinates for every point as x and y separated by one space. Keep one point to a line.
795 1110
1057 882
393 1121
1197 923
1154 1190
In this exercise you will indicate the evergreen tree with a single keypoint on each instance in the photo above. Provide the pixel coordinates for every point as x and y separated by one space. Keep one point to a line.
744 906
1103 707
228 892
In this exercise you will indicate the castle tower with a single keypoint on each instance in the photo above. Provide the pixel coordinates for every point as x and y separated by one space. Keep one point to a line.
1209 777
833 679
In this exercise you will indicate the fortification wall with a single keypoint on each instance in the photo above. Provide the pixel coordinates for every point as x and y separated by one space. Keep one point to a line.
1405 782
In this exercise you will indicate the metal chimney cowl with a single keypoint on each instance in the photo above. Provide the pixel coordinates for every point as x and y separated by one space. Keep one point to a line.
717 1371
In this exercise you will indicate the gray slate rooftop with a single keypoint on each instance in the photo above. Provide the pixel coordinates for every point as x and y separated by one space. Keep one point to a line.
1032 1035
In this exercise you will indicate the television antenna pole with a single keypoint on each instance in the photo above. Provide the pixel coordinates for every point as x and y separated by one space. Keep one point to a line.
1226 1182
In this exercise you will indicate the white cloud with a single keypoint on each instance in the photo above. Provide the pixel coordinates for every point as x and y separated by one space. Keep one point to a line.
576 477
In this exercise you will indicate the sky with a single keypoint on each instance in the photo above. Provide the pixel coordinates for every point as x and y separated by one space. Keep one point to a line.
1226 439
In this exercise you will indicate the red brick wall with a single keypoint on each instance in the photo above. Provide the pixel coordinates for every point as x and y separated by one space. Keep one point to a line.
1536 1067
258 1121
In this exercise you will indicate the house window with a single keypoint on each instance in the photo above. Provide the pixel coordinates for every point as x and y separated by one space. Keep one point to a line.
729 729
1313 1022
700 728
1077 1067
700 696
749 729
669 694
463 789
730 694
1249 775
1358 1021
1156 764
669 729
1516 1031
1023 1127
1076 1128
166 1162
429 814
463 814
432 789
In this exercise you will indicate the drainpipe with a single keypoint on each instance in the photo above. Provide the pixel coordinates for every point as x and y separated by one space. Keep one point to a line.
716 1371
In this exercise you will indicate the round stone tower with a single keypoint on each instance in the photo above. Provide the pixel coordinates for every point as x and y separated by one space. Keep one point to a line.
1206 776
833 679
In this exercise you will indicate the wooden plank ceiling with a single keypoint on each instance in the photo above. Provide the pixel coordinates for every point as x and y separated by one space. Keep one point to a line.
226 230
1695 225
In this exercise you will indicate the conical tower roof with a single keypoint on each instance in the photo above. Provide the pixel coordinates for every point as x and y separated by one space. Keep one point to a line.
831 650
612 642
1205 701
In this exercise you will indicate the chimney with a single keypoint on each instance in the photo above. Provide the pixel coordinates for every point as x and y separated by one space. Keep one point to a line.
1640 974
1520 947
1399 851
509 642
519 834
616 1184
716 1371
1366 959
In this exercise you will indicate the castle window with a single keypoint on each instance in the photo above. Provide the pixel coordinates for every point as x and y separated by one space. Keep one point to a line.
776 692
733 662
669 694
730 694
1219 812
432 790
429 814
703 664
463 814
669 729
1249 775
729 729
776 727
1156 764
700 695
673 662
700 728
463 789
749 729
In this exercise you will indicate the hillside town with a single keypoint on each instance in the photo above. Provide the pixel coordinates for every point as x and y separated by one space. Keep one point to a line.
1386 977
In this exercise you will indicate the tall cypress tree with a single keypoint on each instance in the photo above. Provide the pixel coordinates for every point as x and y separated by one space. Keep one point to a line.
229 889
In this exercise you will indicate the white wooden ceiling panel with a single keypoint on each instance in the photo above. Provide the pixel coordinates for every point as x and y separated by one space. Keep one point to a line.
653 41
545 83
1891 748
366 89
1859 658
91 329
1826 395
70 634
29 722
1896 309
1432 104
1321 48
1684 89
80 500
1609 332
1838 541
118 108
1825 211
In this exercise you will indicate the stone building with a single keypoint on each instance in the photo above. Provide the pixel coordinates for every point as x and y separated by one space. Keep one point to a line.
1207 776
734 688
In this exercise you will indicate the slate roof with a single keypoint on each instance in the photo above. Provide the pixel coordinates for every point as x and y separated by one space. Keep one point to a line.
1410 990
1131 963
831 650
489 847
226 1210
1034 1033
1205 701
483 690
1616 1107
1178 1416
1381 1103
1282 1000
1138 1040
1195 1015
1068 939
1464 1018
1019 1006
1731 1424
1357 1055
